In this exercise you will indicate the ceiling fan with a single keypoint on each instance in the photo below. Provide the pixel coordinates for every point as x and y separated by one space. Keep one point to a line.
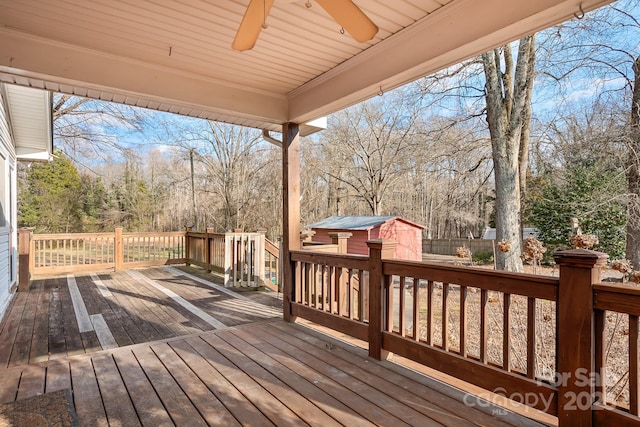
345 12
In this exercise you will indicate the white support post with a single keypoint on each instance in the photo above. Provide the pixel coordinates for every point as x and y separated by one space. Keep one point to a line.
258 268
228 257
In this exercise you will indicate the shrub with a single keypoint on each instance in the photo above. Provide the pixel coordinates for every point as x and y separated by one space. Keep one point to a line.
483 257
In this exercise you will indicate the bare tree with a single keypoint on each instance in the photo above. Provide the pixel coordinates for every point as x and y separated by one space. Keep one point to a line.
370 145
508 95
86 129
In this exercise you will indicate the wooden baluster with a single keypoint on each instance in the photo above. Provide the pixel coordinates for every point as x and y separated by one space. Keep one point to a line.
634 404
430 312
298 282
330 290
389 309
401 314
484 324
445 316
310 283
339 290
351 293
531 337
506 332
463 321
317 273
599 357
361 291
416 309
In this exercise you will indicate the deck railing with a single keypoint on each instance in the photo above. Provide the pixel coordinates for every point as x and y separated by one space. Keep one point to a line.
240 257
66 253
617 308
525 337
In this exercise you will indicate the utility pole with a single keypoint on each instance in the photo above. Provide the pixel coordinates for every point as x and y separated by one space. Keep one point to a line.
193 193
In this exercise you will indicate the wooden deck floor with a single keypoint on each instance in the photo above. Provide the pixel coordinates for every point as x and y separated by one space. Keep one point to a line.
259 374
253 370
123 308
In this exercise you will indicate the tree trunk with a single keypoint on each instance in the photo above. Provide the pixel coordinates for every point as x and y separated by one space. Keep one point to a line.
633 174
507 94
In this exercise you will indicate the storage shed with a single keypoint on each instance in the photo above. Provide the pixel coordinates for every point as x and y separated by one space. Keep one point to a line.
408 234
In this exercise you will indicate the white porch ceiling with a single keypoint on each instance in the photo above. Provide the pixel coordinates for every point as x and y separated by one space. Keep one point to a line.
175 55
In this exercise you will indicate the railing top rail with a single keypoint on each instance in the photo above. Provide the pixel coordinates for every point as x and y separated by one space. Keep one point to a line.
618 288
617 297
543 287
202 234
68 236
359 262
153 234
271 247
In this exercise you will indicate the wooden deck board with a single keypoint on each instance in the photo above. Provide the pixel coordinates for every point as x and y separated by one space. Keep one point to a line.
209 407
176 402
10 325
293 390
122 310
278 413
243 411
267 356
86 394
146 320
58 377
383 384
335 382
32 382
147 403
115 397
434 401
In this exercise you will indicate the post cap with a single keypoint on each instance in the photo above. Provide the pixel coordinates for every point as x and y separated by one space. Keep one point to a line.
580 258
381 244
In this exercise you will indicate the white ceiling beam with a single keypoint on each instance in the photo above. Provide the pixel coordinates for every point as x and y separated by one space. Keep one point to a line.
461 30
72 65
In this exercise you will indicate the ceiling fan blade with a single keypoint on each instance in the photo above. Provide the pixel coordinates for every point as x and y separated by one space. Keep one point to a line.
251 25
352 19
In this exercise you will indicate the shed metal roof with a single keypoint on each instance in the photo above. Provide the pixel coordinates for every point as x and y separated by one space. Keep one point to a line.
357 222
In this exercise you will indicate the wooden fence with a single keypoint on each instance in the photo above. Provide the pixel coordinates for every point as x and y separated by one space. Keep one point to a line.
530 338
244 259
449 246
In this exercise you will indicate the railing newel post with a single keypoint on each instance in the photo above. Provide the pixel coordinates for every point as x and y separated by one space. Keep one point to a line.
575 340
25 258
118 249
207 237
187 246
379 250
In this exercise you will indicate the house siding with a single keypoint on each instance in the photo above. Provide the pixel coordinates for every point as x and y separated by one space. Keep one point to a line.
8 238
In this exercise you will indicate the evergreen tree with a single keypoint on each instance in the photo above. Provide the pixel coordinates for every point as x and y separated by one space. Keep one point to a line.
51 203
583 192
